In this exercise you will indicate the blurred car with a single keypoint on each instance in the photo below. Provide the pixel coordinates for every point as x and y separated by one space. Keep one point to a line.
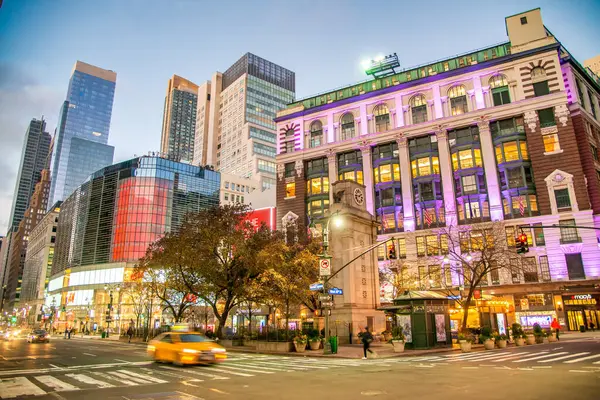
11 334
38 336
185 348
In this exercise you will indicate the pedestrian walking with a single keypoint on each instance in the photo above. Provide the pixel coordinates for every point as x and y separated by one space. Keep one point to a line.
366 338
69 331
592 326
66 331
556 326
130 333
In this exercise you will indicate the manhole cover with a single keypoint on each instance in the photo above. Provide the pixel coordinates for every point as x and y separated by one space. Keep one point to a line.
372 393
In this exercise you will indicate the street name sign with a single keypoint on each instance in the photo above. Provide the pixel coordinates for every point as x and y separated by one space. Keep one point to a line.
325 297
316 286
336 291
325 304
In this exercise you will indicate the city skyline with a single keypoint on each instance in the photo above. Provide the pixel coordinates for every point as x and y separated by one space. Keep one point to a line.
38 88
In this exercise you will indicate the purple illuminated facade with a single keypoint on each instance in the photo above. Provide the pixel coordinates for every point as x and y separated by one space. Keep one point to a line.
509 133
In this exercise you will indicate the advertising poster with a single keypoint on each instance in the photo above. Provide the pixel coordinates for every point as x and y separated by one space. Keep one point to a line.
501 324
440 327
404 322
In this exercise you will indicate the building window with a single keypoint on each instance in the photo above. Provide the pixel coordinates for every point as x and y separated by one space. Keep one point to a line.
289 147
594 152
546 117
468 158
500 93
226 197
592 106
538 232
316 134
401 252
563 200
568 234
290 169
432 243
425 166
575 266
382 118
579 91
418 106
530 273
523 20
289 133
387 173
317 186
469 184
545 268
290 190
317 208
458 100
347 123
317 166
420 246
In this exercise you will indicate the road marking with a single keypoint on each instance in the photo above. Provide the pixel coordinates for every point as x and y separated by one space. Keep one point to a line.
19 386
293 367
504 367
194 372
218 391
423 366
55 383
116 359
141 376
542 366
470 367
127 377
525 369
487 358
53 366
89 354
578 370
564 357
116 378
514 355
540 357
90 381
253 365
258 371
582 359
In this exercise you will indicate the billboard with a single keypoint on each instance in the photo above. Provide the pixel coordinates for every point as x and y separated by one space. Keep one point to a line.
262 215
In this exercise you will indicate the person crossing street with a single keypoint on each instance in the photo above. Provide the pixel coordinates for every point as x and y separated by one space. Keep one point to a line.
556 326
366 338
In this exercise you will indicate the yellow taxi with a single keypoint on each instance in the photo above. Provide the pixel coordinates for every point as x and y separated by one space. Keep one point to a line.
183 347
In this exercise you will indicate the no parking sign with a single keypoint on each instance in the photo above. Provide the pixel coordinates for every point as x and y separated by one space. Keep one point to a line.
325 267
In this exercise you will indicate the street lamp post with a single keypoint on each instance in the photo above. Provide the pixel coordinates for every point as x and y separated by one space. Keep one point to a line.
108 317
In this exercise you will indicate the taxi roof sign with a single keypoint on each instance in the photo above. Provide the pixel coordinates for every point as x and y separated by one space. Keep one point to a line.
180 328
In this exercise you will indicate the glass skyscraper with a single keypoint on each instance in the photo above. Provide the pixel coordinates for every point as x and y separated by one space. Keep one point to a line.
123 208
80 144
34 159
179 120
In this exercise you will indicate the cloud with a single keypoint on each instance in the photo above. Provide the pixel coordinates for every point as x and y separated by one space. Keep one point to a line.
22 98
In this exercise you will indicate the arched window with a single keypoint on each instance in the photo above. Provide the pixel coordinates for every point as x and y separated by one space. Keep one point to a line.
418 106
458 100
540 81
347 123
382 118
499 86
290 133
316 134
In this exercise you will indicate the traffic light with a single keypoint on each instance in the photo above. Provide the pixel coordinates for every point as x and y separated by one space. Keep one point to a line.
392 251
521 244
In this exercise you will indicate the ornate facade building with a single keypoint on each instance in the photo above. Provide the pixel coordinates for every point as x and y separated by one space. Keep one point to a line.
509 133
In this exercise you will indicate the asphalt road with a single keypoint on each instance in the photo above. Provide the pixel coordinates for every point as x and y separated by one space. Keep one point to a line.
90 369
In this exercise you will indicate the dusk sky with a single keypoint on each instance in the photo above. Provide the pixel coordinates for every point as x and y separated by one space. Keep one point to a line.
147 41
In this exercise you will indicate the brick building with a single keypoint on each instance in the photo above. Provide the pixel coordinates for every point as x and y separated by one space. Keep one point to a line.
509 133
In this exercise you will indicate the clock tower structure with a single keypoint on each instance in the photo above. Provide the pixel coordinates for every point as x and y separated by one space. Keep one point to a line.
357 307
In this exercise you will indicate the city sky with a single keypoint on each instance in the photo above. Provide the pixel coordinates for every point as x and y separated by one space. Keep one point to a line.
147 41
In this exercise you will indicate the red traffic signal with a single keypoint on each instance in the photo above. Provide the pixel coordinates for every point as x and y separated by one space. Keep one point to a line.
523 238
392 251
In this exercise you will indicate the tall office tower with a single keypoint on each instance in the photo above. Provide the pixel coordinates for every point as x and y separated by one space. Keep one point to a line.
593 64
179 120
33 160
18 249
80 143
202 124
240 105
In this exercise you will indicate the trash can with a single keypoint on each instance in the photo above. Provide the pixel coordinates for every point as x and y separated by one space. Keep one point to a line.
333 340
103 335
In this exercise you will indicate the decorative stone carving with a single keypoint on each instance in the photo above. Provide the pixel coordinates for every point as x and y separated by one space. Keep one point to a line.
280 171
441 131
331 155
299 168
483 123
365 146
357 120
531 119
401 140
471 92
562 112
369 116
336 125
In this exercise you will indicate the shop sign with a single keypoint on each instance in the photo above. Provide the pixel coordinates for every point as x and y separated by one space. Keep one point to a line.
524 304
580 299
419 309
436 309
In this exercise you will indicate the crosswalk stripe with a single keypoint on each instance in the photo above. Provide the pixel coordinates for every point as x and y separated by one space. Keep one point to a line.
540 357
55 383
90 381
582 359
226 371
513 355
488 357
282 368
146 377
19 386
565 357
195 372
295 365
111 376
253 369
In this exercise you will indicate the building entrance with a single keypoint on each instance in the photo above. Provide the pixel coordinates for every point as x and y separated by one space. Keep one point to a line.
583 310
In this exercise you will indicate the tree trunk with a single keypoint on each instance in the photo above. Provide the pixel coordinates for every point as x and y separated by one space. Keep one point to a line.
466 307
287 319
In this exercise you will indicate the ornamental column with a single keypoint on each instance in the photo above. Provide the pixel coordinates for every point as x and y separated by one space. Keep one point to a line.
365 148
446 173
364 122
491 173
330 128
408 208
332 168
